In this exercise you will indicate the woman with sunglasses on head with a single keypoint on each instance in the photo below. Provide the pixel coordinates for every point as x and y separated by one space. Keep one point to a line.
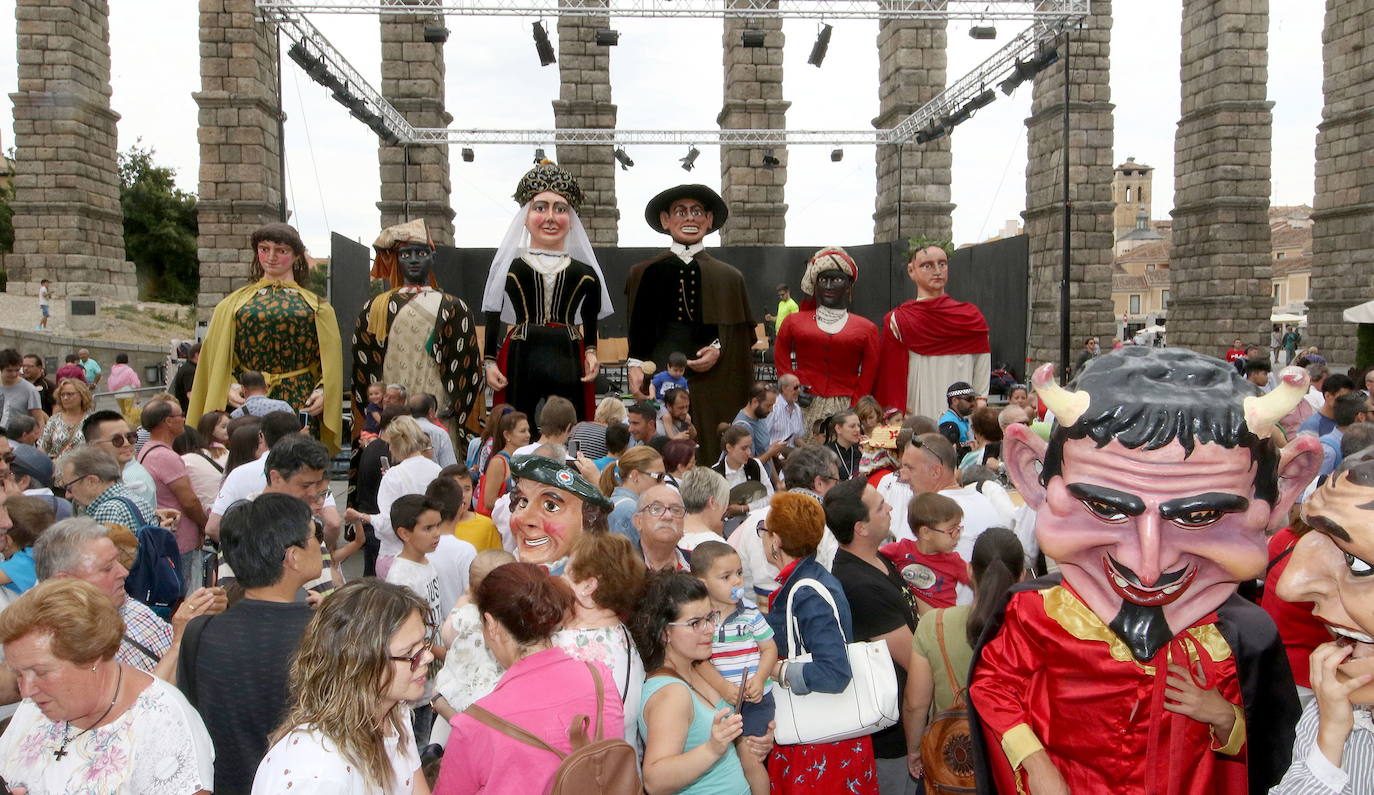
364 656
541 692
689 728
62 432
634 473
791 535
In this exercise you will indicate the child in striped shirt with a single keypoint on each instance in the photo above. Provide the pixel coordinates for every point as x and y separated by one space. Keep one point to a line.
742 650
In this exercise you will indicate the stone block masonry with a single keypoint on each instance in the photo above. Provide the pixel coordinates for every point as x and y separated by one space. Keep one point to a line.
584 102
1342 246
1220 254
1091 138
240 144
68 224
415 180
913 195
754 192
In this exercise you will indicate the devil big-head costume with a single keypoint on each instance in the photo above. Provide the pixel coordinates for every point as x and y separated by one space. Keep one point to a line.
1153 494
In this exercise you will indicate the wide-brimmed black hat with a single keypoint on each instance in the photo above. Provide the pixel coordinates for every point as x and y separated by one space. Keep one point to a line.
711 200
560 476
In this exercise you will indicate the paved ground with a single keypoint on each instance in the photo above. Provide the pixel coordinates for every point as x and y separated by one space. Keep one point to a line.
147 322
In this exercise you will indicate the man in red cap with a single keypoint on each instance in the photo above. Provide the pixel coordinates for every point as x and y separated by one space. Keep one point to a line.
932 341
836 353
686 300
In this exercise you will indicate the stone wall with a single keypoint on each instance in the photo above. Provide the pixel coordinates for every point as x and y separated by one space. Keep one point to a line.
240 143
584 102
1220 255
68 224
753 100
1342 248
415 179
913 179
1090 191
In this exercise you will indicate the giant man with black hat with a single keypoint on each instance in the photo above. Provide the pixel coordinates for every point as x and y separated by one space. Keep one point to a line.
686 300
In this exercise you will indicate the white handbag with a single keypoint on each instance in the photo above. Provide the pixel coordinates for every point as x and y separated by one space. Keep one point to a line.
867 704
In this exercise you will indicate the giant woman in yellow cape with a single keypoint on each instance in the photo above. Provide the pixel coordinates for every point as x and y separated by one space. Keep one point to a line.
280 329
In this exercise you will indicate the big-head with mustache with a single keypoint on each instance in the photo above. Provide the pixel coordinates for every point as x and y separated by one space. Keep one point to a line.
1140 670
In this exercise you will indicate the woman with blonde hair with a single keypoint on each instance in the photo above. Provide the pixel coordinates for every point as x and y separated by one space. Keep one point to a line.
62 432
363 657
411 473
89 723
637 470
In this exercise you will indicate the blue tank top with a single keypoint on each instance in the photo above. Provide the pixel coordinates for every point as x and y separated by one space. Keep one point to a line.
726 776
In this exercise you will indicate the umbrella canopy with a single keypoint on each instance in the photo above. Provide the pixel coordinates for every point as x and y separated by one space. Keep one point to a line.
1285 317
1363 313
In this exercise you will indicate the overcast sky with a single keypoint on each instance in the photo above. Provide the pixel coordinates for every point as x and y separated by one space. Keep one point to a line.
667 75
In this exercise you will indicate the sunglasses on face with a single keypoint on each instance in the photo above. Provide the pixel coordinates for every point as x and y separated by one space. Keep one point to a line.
414 659
120 439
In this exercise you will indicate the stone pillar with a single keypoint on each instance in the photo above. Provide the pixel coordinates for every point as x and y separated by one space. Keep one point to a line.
1342 249
1090 191
1220 254
913 179
68 224
753 101
584 102
415 179
240 143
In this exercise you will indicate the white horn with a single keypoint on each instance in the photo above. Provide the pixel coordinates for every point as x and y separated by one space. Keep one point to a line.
1263 411
1067 406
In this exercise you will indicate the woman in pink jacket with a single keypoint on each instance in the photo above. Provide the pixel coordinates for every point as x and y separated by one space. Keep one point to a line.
541 691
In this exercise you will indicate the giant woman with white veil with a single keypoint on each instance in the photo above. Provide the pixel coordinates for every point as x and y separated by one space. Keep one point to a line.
543 298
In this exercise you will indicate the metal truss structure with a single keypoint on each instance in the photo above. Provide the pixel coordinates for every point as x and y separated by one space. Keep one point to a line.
1015 62
755 9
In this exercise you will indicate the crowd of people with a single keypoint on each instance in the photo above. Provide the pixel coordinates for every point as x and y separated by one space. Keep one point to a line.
877 581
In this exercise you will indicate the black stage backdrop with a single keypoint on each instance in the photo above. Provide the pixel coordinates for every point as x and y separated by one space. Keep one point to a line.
994 276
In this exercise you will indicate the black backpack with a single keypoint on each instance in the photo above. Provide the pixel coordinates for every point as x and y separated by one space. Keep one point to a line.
154 579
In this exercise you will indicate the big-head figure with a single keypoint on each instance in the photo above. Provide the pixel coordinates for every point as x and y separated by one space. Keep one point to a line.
552 505
1142 670
415 334
1332 567
686 301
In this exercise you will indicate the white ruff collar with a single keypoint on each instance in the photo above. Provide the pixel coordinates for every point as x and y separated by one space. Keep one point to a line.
547 263
831 321
686 253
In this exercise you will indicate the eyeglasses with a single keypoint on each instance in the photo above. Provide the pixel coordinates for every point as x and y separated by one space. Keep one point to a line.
762 529
658 509
707 622
8 458
415 658
953 531
120 439
67 484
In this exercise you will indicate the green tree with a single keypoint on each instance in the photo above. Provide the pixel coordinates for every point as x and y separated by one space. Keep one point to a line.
159 227
6 219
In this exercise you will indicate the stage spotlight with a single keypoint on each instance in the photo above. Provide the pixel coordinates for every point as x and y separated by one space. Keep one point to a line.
623 159
436 34
770 161
542 45
1046 56
982 32
607 38
982 100
752 38
538 156
818 49
691 159
468 156
836 155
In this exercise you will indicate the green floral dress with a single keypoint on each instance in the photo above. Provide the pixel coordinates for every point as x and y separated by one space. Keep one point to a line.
276 336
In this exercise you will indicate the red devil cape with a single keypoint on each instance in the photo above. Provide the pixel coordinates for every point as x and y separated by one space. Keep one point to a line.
932 327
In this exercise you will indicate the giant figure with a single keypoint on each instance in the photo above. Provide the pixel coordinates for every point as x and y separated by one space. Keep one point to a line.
280 329
931 341
836 352
546 285
552 504
684 300
415 334
1141 670
1331 567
